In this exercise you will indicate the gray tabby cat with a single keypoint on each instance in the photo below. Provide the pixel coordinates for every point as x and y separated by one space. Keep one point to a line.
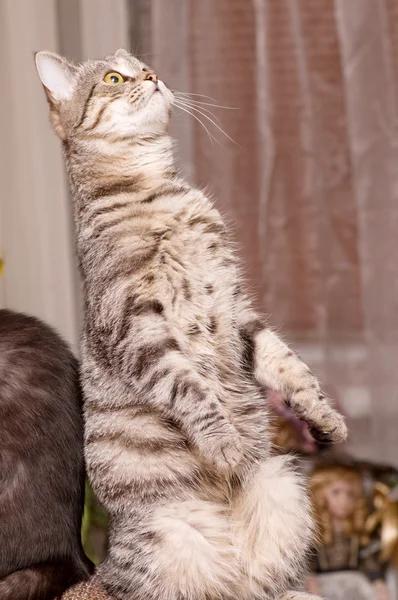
174 358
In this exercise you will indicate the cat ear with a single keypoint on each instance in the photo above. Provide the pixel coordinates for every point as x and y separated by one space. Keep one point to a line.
121 52
57 75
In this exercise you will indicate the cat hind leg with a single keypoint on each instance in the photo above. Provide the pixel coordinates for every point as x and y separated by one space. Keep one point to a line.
197 556
274 528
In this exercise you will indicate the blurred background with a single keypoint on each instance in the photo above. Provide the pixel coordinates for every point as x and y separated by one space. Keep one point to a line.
310 185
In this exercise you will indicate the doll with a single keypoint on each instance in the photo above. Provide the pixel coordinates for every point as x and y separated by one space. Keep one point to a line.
382 528
345 566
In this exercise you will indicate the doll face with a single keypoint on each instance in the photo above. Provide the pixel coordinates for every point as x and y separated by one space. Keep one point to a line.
340 498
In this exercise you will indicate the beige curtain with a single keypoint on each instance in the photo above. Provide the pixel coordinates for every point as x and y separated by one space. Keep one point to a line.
36 241
311 188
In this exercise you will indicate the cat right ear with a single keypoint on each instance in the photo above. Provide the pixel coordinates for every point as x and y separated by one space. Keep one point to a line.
57 76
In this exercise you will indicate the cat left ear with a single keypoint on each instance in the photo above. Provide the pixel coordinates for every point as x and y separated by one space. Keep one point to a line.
121 52
57 75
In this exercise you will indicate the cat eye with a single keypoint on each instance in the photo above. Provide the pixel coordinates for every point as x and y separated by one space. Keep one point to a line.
114 78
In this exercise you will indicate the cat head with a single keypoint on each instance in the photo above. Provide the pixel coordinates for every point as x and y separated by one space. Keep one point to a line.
118 95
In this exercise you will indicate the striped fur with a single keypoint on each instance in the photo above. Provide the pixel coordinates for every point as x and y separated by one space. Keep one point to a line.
174 357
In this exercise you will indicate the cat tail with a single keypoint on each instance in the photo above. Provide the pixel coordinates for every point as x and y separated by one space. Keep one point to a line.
46 581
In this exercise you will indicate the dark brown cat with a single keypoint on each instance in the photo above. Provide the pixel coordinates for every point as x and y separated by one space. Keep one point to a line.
41 462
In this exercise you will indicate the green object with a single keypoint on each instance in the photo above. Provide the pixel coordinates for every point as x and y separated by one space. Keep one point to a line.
94 527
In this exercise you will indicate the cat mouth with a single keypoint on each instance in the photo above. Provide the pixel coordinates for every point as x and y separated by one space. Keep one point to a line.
162 87
156 91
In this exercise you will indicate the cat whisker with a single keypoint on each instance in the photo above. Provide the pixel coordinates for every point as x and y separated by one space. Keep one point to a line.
186 97
214 105
213 122
183 108
192 94
188 104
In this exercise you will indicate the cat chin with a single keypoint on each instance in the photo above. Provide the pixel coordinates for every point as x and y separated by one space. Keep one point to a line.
161 97
154 117
145 124
150 119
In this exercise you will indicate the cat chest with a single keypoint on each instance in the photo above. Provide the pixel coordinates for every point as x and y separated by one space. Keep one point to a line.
199 292
201 313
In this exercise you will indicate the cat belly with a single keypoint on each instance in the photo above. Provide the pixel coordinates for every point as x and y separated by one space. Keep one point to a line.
252 422
136 455
252 547
249 414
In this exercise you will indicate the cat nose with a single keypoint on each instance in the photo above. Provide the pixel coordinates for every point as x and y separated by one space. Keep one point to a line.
151 76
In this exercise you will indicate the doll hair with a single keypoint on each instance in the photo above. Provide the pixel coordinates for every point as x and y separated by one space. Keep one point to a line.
320 478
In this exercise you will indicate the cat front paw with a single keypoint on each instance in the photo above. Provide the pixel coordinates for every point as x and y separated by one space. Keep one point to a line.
325 423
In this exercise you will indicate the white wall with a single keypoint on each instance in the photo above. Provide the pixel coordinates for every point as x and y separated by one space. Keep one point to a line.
35 219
